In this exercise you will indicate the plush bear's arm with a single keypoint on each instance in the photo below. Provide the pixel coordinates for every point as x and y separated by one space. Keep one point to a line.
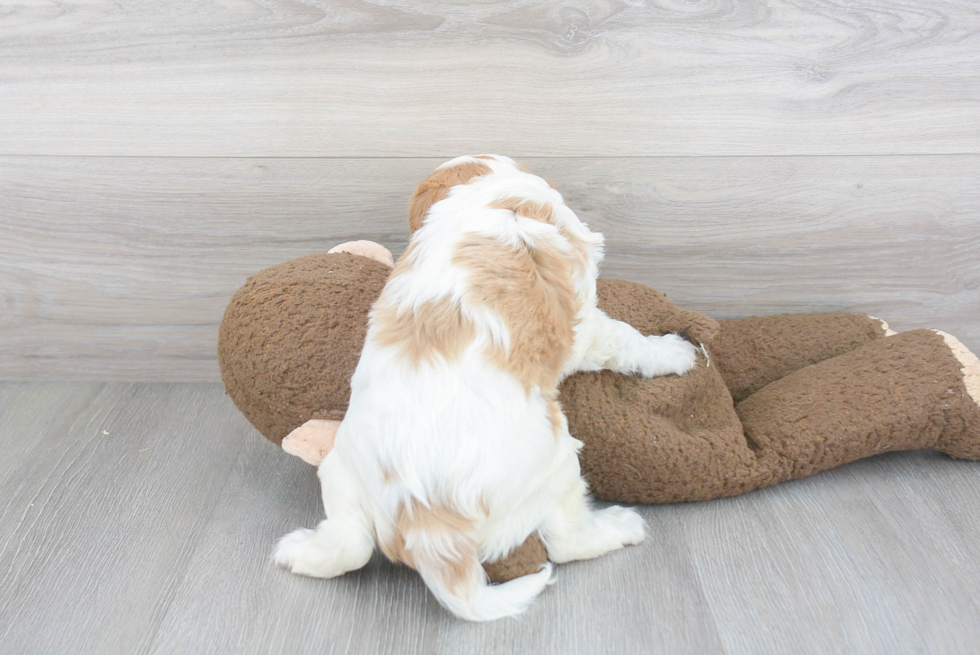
693 326
650 312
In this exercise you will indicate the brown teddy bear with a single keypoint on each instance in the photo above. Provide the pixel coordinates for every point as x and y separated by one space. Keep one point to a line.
776 398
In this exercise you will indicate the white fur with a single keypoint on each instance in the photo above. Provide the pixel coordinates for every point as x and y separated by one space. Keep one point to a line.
466 434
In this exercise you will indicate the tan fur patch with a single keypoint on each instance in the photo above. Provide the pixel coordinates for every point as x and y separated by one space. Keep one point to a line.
538 211
545 213
434 329
449 534
436 187
404 263
554 411
389 475
531 290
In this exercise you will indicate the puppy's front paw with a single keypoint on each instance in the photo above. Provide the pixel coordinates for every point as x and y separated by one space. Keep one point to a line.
668 354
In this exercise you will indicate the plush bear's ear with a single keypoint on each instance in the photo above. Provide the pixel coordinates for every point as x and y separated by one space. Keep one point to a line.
312 441
636 304
368 249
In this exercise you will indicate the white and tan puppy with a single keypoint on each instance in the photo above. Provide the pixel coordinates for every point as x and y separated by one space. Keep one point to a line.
454 448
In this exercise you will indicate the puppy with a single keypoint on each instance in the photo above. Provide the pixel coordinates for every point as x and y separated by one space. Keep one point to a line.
454 448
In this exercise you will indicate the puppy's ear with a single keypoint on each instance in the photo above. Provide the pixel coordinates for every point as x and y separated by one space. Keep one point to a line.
426 194
436 187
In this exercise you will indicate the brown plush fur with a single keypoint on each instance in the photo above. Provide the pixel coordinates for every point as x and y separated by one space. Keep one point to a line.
287 326
819 390
752 352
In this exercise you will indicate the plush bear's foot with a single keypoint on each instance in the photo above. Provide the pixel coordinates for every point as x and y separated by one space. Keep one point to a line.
526 559
970 365
963 441
884 326
368 249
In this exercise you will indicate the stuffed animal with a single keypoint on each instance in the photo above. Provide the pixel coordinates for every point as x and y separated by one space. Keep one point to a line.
775 398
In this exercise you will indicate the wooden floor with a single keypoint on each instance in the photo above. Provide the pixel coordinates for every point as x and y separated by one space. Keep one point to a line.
139 518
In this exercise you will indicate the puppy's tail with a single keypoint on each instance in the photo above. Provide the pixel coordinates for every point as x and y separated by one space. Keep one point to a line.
470 597
446 557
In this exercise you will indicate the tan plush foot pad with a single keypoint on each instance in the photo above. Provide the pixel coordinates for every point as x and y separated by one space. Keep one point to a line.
954 444
312 441
884 326
970 364
369 249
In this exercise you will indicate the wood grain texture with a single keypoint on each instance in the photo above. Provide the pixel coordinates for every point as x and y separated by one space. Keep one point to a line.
120 268
850 560
103 507
385 608
156 538
349 78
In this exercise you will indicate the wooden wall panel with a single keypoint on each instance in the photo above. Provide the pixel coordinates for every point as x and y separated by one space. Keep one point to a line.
120 268
348 78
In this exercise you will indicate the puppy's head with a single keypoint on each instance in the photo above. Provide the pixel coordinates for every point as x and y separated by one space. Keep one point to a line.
461 170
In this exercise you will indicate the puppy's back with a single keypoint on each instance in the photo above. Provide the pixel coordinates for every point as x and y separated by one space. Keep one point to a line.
454 413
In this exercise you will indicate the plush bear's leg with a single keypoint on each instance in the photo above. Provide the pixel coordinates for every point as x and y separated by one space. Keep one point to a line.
918 389
752 352
660 440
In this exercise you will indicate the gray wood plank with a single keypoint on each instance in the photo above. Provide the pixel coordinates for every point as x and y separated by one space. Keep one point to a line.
347 78
33 422
234 599
120 268
879 556
100 518
156 538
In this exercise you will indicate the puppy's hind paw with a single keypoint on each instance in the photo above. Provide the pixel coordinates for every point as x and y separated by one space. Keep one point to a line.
292 547
623 524
333 549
